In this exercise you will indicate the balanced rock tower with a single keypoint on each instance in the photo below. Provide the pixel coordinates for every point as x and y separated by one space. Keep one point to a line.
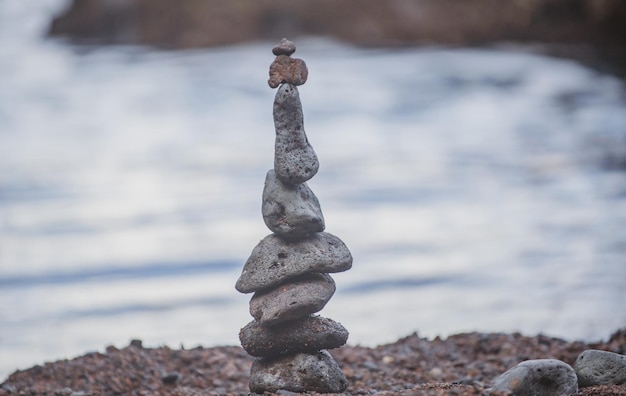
288 271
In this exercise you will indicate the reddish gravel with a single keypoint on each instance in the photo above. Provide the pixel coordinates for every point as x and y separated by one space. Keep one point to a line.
463 364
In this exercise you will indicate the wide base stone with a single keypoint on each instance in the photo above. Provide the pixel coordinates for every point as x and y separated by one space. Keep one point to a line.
274 260
316 372
293 300
538 377
309 334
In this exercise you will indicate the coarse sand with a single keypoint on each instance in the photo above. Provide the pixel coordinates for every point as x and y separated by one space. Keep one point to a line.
463 364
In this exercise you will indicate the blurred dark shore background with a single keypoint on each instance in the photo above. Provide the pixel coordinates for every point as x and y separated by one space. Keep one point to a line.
589 31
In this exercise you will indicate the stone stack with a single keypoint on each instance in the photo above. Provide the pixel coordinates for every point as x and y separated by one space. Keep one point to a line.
288 270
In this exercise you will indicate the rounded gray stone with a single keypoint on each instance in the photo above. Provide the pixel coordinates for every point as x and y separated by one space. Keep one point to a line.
275 260
315 372
295 160
596 367
538 377
291 211
293 300
308 334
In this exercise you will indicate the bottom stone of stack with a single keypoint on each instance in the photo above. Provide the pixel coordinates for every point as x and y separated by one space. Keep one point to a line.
303 372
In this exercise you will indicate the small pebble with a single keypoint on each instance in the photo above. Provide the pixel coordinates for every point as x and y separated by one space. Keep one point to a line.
284 47
538 377
595 367
436 372
136 343
171 377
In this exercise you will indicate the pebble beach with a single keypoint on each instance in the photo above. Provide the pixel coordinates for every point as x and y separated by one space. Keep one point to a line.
481 192
463 364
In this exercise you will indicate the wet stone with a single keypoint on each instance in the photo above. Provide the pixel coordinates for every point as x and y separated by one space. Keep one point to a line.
295 160
316 372
293 300
284 47
309 334
538 377
288 70
291 211
274 260
596 367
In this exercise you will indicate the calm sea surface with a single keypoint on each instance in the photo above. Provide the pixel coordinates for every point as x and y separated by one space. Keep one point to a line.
475 189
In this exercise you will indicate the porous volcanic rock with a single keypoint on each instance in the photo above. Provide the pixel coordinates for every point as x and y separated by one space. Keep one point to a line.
273 261
538 377
288 70
295 161
595 367
310 334
291 211
296 299
316 372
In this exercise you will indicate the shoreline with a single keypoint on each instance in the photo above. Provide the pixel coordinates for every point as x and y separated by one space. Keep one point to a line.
461 364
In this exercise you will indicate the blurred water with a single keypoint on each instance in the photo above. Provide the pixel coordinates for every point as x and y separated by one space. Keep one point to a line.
470 185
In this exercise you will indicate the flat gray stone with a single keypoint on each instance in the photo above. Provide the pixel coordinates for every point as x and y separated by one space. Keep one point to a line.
316 372
274 260
595 367
538 377
295 160
290 210
309 334
292 300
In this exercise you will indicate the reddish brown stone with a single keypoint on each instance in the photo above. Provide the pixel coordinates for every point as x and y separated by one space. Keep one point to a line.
287 70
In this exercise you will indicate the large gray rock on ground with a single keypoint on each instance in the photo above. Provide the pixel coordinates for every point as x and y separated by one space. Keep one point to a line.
316 372
595 367
540 377
309 334
274 260
293 300
290 210
295 160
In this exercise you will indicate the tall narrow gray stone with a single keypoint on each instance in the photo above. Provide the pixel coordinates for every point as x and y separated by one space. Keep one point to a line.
295 160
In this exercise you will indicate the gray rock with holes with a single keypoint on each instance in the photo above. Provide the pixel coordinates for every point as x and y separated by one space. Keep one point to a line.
295 160
538 377
595 367
274 260
290 210
316 372
309 334
293 300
